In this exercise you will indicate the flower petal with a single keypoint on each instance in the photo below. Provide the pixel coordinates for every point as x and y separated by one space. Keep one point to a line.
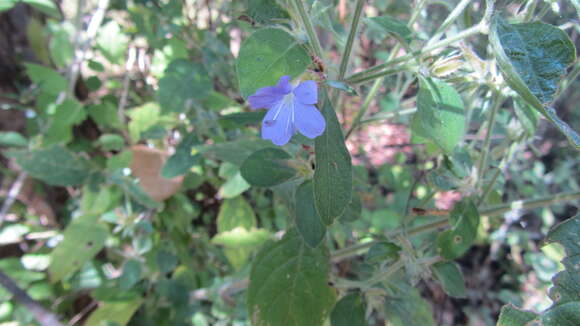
307 92
278 125
309 121
267 97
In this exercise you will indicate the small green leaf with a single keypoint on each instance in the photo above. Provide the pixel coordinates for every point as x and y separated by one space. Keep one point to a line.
440 116
61 47
112 42
307 220
267 55
333 174
67 115
266 11
235 212
235 152
406 307
111 142
267 167
45 6
143 118
349 311
105 115
7 4
83 239
342 86
114 313
289 284
132 188
567 314
184 81
47 79
11 138
180 162
512 316
382 251
451 278
54 165
241 237
353 210
532 58
393 26
234 186
464 220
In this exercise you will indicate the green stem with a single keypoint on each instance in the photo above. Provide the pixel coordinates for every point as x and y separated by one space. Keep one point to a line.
312 36
355 250
361 112
388 115
530 203
350 39
362 76
497 101
449 20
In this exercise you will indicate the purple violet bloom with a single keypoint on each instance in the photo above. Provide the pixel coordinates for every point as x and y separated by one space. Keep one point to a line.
290 109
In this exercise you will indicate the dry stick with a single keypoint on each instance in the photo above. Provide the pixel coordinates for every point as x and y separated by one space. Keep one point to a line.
11 196
43 316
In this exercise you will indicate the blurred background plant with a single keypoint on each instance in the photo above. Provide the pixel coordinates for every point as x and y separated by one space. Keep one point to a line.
123 133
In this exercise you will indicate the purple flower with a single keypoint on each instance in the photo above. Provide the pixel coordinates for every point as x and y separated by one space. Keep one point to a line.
290 109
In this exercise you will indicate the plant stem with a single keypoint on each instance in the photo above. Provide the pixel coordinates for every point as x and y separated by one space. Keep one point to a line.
388 115
355 249
314 41
497 101
365 106
530 203
350 39
363 76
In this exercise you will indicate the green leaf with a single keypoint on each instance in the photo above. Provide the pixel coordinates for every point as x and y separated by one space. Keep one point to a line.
112 42
234 186
61 47
406 307
241 237
532 58
342 86
67 115
111 142
289 284
54 165
266 11
132 188
353 210
333 174
307 220
451 278
267 167
235 212
267 55
440 116
7 5
349 311
464 220
47 79
143 118
46 6
105 115
11 138
83 239
114 313
235 152
392 25
180 162
512 316
184 81
382 251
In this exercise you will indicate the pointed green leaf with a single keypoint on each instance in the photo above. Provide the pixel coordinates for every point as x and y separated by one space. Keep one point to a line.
406 307
67 115
451 278
333 174
289 284
183 82
180 162
83 239
11 138
54 165
440 116
464 220
512 316
382 251
532 58
267 167
47 79
349 311
353 210
267 55
393 26
308 221
235 152
235 212
114 313
266 11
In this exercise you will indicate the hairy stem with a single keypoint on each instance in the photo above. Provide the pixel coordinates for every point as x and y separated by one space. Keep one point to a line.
312 36
497 101
350 40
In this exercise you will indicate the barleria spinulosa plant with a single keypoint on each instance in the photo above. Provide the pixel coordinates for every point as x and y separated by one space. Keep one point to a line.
290 163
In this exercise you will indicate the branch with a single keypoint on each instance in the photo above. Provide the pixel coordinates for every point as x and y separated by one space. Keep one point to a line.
43 316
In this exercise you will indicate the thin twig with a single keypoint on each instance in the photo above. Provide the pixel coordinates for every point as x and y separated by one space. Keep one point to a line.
43 316
11 196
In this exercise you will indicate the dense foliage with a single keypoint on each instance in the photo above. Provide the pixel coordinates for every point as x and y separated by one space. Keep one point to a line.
289 162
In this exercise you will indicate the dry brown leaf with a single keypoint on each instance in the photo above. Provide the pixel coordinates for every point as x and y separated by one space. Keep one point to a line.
146 166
